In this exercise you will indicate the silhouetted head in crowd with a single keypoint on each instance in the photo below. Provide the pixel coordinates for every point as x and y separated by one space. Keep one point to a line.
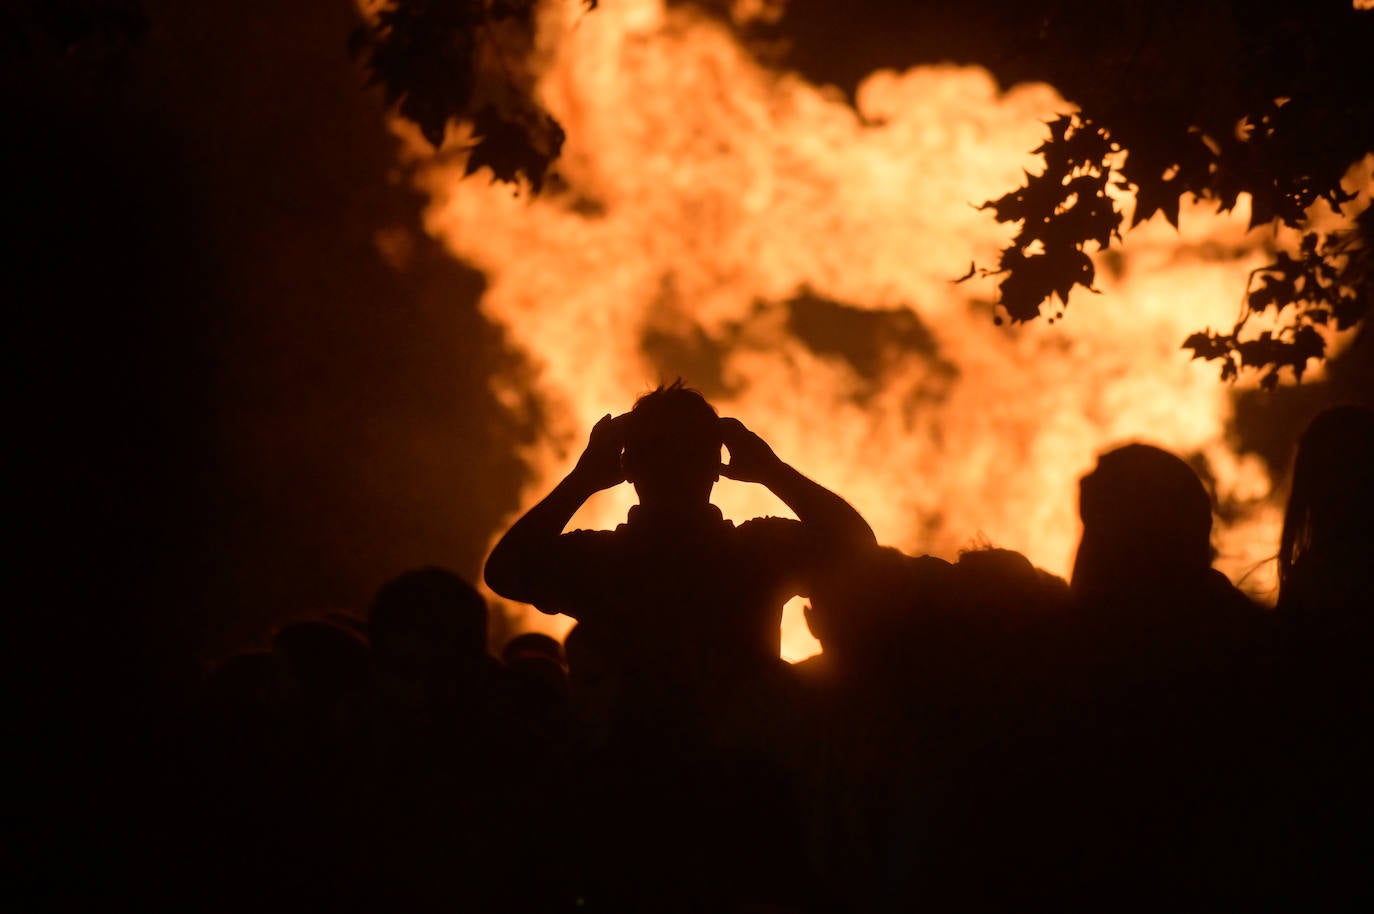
1147 523
537 656
672 447
592 685
1327 546
319 663
870 606
1002 583
533 646
428 630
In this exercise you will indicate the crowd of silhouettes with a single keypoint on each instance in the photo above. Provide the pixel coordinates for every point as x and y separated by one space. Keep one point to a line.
976 735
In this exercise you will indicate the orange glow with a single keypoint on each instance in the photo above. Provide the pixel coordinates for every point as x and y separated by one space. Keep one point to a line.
705 191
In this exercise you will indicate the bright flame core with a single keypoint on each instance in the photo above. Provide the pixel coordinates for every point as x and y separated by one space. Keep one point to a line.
708 195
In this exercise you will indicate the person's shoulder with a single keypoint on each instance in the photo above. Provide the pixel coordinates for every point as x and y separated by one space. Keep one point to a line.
577 546
770 526
590 535
590 538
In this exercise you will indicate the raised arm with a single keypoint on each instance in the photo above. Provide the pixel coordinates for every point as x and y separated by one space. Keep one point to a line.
523 562
752 460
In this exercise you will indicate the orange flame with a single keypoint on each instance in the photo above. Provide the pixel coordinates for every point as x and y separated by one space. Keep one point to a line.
706 191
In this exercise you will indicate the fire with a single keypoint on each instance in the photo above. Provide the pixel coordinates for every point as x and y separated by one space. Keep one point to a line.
733 222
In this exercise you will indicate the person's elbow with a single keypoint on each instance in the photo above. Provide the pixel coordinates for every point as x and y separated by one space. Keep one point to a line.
503 575
506 579
853 530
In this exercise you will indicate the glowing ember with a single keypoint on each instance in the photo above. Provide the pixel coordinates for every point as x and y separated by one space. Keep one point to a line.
792 256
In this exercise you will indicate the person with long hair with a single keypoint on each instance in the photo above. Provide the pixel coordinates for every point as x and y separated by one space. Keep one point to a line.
1326 551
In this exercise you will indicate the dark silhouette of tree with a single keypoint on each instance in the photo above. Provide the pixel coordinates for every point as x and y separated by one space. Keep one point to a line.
464 61
1208 99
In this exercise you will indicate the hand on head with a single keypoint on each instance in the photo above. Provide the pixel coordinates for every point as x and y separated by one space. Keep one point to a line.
600 464
751 459
601 467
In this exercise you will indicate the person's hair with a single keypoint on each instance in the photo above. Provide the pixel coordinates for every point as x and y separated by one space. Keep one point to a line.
434 603
672 438
1002 582
869 601
322 660
1332 493
1143 509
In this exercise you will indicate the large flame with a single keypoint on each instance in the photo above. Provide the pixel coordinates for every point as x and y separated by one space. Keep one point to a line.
795 253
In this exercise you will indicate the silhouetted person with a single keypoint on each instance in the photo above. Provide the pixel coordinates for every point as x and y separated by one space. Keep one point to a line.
321 666
932 742
865 756
1002 584
1147 527
437 767
428 630
992 676
866 610
1326 553
1164 651
676 595
994 654
1322 837
533 694
684 609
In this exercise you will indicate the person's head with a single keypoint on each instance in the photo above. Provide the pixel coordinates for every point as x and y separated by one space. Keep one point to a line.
428 626
537 656
1147 519
672 446
1331 502
995 583
319 663
869 604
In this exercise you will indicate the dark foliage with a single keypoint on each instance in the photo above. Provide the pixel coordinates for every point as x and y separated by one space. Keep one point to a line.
1059 210
464 62
511 149
1213 101
1326 285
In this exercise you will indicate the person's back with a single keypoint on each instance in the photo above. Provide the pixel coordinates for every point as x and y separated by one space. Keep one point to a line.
691 605
870 755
